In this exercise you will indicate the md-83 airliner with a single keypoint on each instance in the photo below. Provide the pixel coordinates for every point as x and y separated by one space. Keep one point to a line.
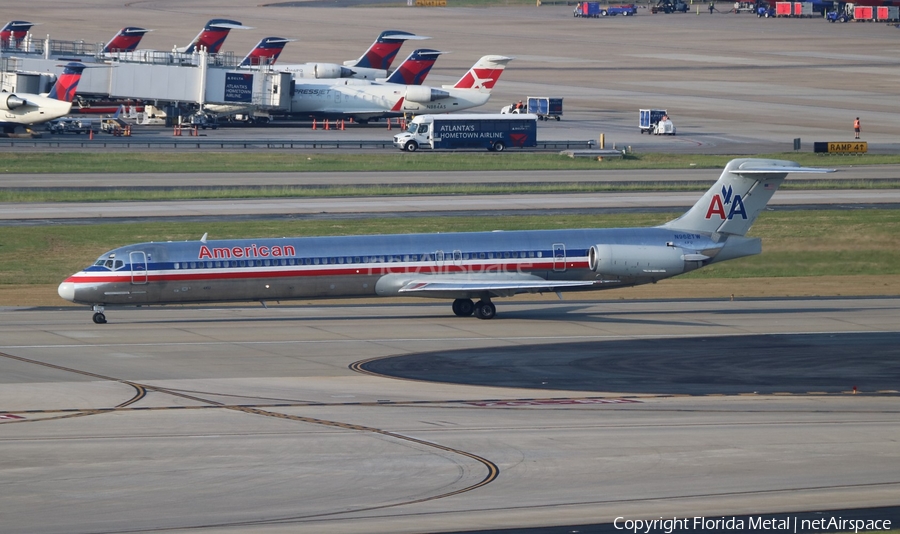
458 266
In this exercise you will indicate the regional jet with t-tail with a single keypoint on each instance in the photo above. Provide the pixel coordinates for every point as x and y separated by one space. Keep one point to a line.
469 268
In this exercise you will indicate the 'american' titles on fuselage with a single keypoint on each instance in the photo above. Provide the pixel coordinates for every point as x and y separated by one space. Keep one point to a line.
458 266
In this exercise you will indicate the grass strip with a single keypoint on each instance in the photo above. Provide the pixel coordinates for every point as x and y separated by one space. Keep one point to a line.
301 161
217 193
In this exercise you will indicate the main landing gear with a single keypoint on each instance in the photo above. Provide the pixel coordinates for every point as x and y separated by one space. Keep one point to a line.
99 317
484 309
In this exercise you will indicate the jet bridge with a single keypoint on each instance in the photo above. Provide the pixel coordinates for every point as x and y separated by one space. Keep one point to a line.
160 77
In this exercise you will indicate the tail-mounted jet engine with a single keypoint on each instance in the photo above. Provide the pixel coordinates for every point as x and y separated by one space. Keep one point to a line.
11 101
418 93
640 260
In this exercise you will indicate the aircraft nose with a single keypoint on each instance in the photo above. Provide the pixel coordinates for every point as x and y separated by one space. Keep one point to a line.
67 291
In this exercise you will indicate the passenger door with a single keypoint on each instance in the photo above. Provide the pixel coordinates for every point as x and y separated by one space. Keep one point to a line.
138 262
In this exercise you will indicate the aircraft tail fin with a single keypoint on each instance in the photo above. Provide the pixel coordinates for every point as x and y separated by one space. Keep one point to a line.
125 40
383 51
64 88
484 74
13 32
732 204
213 35
415 68
266 52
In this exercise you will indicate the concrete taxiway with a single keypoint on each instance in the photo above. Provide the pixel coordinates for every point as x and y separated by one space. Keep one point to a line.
275 420
437 204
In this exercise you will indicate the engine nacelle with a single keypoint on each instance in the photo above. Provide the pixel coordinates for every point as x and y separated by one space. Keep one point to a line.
330 71
11 101
417 93
636 260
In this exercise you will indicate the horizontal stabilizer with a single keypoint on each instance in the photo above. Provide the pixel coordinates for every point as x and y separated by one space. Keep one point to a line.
781 170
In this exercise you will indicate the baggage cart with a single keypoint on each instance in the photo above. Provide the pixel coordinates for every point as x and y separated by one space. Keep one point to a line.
545 108
650 118
587 10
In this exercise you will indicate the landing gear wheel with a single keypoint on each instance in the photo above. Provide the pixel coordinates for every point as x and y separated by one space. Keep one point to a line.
499 146
411 146
485 310
99 318
463 307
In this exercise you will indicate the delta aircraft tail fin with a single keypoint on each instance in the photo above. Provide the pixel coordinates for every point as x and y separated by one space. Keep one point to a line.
266 52
415 68
742 191
125 40
383 51
64 88
13 32
484 74
212 36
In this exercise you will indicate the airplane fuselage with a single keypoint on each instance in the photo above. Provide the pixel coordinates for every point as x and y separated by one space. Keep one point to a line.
361 99
369 266
38 110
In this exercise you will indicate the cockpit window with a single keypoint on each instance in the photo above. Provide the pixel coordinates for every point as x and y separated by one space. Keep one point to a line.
110 263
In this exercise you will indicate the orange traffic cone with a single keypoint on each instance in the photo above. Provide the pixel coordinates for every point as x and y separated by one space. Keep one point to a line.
314 124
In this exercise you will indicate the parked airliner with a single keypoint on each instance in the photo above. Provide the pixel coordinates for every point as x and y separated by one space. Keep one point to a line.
457 266
18 110
363 100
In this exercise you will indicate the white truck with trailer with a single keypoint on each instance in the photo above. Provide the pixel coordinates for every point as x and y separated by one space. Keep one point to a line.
493 131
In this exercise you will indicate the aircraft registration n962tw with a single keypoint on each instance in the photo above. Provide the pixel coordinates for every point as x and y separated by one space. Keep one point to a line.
460 267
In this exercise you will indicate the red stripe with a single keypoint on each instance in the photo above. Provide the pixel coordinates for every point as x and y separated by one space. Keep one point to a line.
215 274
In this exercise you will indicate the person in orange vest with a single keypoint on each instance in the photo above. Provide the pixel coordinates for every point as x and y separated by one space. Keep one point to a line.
856 127
519 106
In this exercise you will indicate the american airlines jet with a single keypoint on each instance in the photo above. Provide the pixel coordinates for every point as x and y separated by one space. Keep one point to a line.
461 267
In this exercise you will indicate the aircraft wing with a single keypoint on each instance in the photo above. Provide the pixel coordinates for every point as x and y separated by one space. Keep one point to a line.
504 286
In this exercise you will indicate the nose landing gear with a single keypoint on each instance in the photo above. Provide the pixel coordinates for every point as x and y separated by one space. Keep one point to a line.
99 317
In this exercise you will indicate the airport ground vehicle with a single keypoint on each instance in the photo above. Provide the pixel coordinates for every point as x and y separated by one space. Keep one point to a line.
545 108
594 10
765 11
202 120
494 132
669 6
69 125
650 119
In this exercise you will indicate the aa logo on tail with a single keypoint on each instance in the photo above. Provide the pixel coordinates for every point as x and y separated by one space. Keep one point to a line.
719 201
